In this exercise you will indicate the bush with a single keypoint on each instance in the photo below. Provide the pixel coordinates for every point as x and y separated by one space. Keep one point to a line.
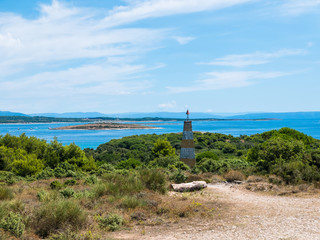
5 193
58 215
290 172
131 202
111 222
92 179
56 185
119 185
208 155
275 179
42 196
13 223
131 163
67 193
27 166
164 161
70 182
180 165
214 166
233 175
45 174
178 177
154 179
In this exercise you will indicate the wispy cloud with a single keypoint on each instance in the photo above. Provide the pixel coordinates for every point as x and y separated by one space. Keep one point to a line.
257 58
183 40
139 10
298 7
224 80
168 105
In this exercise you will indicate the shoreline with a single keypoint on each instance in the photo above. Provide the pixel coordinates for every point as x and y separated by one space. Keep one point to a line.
104 126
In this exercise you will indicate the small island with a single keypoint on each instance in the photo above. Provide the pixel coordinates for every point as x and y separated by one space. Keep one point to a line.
104 126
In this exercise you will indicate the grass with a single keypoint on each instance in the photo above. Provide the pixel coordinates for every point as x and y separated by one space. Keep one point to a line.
6 193
80 210
58 215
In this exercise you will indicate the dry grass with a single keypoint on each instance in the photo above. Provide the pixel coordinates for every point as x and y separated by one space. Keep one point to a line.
141 207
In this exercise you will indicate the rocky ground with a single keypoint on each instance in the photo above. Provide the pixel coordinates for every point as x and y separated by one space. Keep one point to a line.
244 214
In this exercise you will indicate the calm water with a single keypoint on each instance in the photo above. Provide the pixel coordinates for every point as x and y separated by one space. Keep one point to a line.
93 138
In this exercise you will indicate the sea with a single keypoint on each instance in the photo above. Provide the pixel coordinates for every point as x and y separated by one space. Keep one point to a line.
93 138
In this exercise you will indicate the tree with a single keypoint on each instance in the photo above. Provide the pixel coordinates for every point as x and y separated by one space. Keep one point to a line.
162 147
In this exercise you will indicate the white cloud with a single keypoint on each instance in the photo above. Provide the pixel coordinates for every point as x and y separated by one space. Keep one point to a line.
224 80
298 7
183 40
77 53
139 10
257 58
168 105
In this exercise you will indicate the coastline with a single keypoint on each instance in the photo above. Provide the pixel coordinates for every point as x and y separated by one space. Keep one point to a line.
104 126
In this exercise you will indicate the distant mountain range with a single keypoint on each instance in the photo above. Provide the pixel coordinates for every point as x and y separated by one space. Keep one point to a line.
174 115
7 113
71 115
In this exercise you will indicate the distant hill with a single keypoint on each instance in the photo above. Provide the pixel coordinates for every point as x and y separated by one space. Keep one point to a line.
180 115
7 113
173 115
72 115
125 115
287 115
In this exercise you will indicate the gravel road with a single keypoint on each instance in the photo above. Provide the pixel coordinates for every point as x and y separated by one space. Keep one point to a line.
250 215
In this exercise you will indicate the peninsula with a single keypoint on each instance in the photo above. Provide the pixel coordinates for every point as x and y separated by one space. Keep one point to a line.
104 126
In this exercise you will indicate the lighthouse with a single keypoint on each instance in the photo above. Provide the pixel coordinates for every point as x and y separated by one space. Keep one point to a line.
187 154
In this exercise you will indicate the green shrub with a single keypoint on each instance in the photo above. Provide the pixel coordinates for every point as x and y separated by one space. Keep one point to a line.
67 193
9 177
111 222
56 185
164 161
290 172
207 155
178 177
27 166
99 190
162 147
59 215
117 184
4 208
45 174
84 194
42 196
13 223
105 168
154 179
131 202
131 163
92 179
233 175
70 182
180 165
214 166
108 167
5 193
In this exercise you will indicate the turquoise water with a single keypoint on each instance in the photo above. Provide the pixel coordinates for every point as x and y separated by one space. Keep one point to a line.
93 138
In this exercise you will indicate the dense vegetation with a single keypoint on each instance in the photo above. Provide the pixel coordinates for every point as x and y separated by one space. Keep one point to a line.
124 181
287 153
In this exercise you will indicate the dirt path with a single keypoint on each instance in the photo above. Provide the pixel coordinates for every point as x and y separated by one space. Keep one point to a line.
249 216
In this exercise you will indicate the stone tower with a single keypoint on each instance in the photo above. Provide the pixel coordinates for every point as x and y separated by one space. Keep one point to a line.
187 154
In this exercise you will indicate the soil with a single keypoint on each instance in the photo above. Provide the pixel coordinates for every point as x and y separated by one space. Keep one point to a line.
244 214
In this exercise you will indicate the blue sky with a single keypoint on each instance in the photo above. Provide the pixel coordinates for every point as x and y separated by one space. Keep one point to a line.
159 55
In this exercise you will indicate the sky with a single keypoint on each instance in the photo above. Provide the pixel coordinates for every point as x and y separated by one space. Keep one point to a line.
115 56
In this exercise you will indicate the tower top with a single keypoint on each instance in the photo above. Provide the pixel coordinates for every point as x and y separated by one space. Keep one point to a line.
187 114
